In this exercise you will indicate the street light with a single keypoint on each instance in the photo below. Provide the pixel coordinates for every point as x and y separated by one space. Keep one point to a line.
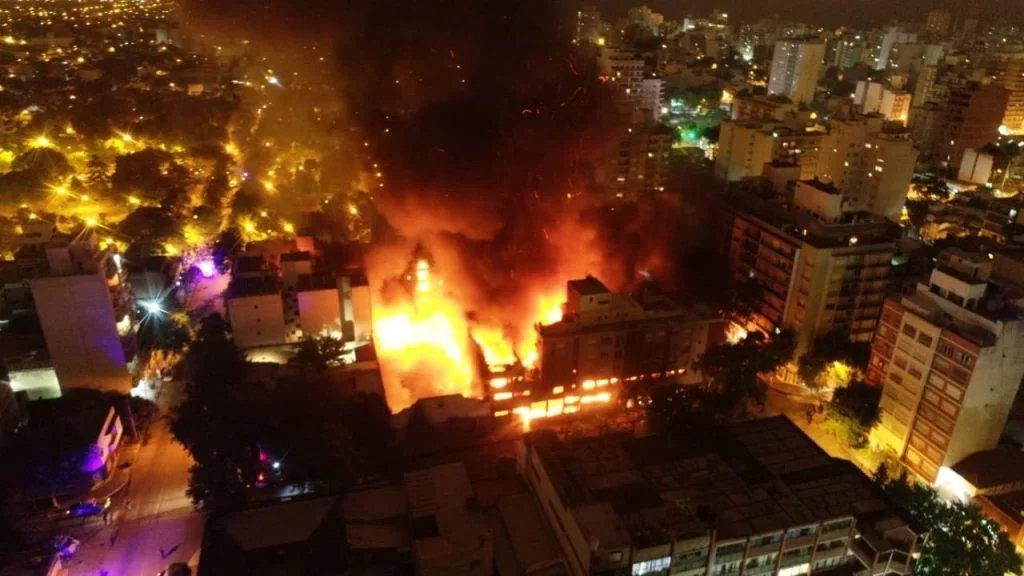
152 307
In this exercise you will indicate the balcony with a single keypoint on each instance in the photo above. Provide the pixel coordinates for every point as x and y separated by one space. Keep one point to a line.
763 549
799 541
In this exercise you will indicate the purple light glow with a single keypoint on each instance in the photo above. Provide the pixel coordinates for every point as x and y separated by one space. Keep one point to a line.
207 268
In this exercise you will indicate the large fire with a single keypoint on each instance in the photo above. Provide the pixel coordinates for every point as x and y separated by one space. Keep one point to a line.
429 344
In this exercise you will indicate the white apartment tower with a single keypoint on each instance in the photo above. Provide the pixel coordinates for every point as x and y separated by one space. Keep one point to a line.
797 65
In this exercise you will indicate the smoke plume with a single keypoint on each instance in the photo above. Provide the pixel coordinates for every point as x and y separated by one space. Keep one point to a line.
486 123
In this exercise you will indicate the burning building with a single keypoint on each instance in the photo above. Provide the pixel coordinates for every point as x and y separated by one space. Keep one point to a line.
604 340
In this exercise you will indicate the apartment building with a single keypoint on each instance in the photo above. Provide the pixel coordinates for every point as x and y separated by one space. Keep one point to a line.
964 116
638 166
821 269
604 335
85 307
745 147
871 166
1004 220
950 358
271 305
761 499
604 341
797 65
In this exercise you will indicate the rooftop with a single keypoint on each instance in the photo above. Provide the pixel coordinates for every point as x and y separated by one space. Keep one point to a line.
757 477
242 287
990 469
860 229
588 286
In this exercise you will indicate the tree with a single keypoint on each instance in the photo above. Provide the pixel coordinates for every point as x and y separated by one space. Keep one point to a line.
241 432
320 352
44 164
150 224
732 369
834 347
852 412
961 540
97 173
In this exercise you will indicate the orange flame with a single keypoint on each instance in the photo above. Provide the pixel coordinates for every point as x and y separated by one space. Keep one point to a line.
427 342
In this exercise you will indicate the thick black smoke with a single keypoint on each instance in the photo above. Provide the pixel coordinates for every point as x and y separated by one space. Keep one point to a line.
486 122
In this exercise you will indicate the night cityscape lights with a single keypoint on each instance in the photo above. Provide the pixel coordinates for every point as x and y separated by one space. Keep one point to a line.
511 288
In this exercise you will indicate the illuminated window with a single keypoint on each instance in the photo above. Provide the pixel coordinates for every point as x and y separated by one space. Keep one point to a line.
558 390
651 566
503 396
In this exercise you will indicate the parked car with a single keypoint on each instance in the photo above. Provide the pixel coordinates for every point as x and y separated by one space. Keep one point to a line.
90 507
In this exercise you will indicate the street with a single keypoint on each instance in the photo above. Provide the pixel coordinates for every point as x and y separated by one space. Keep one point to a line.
159 526
795 408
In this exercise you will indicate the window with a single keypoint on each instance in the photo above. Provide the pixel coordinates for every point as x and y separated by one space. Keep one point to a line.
799 532
909 330
925 339
615 556
651 566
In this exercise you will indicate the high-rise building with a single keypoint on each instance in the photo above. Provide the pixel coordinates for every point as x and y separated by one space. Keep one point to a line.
1006 68
85 308
822 270
950 357
761 499
744 148
893 35
590 27
895 106
868 96
871 168
639 164
968 118
624 69
797 65
849 51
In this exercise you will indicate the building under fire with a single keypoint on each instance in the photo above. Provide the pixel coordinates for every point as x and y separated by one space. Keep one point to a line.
605 340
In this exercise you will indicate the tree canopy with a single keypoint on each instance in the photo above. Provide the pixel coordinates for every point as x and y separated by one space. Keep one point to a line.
729 387
962 541
852 412
236 429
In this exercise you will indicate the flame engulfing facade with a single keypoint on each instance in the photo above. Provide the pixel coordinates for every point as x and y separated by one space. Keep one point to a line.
481 124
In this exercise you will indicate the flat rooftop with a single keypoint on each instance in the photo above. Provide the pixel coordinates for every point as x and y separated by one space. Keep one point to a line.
751 478
869 229
588 286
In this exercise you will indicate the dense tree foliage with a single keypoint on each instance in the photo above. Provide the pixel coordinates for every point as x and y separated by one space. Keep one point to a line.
236 428
833 347
852 412
730 385
961 540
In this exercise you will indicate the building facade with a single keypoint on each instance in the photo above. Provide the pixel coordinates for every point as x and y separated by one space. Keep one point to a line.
821 270
762 500
797 65
85 307
950 358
